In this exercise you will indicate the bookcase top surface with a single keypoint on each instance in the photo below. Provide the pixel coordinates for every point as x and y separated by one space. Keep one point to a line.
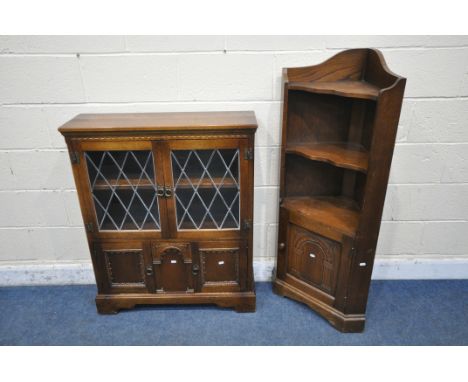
128 122
355 73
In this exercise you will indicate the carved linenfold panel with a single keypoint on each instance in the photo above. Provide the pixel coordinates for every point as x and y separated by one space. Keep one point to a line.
125 267
313 258
219 266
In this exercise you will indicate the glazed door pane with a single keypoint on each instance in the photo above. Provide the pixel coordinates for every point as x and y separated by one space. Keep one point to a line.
206 188
124 191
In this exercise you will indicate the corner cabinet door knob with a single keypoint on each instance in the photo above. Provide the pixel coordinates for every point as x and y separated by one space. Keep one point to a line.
282 246
149 270
195 269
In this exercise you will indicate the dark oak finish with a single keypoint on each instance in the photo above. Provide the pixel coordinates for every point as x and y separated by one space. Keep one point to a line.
345 88
167 202
313 258
340 120
160 122
337 215
343 155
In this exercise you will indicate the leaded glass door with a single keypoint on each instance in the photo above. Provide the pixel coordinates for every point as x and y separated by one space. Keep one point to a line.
206 180
125 181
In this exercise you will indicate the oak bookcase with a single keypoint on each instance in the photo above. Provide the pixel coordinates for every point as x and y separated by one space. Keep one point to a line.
340 120
167 202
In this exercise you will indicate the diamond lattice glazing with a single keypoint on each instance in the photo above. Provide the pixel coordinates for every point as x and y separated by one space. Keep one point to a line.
123 189
207 191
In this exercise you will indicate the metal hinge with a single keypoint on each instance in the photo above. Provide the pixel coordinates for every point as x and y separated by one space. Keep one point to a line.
246 224
89 227
74 157
249 153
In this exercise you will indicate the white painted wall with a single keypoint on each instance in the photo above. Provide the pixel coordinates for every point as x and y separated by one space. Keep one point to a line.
46 80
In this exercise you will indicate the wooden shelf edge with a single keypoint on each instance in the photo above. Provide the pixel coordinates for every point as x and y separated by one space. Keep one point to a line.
353 157
333 217
344 88
206 183
145 183
123 183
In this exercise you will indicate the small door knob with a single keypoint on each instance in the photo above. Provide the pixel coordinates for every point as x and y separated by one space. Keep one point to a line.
160 191
195 269
149 270
167 192
281 246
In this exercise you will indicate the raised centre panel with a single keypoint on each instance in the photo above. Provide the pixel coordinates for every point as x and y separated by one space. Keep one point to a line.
223 266
124 266
313 258
173 266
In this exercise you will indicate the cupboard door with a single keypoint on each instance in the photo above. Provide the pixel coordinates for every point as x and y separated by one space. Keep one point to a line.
125 267
173 267
223 266
313 258
208 181
124 182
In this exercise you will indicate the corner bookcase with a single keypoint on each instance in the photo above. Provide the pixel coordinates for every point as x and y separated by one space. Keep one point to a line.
340 120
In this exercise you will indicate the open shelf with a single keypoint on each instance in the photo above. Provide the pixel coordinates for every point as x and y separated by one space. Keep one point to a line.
343 155
336 151
337 213
344 88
